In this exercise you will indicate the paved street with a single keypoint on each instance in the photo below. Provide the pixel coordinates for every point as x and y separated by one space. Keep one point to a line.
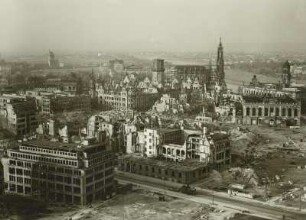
206 197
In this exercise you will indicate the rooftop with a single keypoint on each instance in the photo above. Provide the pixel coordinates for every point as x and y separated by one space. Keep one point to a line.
59 145
266 99
187 165
24 107
219 136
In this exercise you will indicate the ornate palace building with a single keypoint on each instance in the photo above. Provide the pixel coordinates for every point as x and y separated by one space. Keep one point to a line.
271 110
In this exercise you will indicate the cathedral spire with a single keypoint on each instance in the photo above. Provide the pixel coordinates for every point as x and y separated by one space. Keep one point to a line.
220 65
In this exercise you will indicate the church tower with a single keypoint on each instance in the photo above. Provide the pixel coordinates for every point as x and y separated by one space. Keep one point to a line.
92 85
220 66
286 75
158 70
213 79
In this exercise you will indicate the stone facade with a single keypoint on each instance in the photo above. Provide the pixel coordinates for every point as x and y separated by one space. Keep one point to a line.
271 111
58 172
182 173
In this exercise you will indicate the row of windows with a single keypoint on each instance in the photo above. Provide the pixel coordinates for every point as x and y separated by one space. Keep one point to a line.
40 167
43 150
49 168
262 92
45 159
112 98
260 112
101 159
167 173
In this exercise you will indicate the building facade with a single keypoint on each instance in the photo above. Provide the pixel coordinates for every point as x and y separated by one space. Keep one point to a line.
271 111
20 116
57 104
58 172
190 72
185 173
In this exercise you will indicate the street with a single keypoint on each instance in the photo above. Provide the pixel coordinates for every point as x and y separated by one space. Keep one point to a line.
204 196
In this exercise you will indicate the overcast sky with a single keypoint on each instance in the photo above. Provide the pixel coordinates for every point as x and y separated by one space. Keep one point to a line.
159 25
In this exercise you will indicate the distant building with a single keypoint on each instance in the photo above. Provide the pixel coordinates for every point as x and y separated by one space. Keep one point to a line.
143 101
126 98
158 70
56 104
69 87
10 98
165 104
286 75
284 88
58 172
52 62
19 115
190 72
113 98
271 110
220 67
202 119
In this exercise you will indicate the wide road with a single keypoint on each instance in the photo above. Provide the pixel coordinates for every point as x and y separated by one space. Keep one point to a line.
207 197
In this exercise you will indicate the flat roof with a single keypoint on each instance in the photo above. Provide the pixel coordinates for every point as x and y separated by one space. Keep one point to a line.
58 145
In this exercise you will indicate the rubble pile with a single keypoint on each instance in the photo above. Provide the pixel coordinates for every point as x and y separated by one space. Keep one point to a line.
245 176
216 177
242 139
203 213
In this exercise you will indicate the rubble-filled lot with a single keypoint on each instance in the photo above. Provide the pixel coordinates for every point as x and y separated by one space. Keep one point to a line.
269 161
245 217
141 205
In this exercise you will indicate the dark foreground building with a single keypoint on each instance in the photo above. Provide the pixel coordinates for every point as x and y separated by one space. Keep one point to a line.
185 172
58 172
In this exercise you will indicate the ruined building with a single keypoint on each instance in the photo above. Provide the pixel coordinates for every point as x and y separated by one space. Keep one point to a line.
58 172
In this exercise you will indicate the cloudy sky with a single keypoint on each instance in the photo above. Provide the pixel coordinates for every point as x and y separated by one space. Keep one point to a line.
158 25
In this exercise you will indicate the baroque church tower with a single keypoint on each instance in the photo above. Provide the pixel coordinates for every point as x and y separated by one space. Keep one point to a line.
286 75
220 66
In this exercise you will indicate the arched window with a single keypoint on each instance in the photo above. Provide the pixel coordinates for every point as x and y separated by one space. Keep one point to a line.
259 111
266 112
164 150
283 112
253 111
276 111
289 112
247 111
295 112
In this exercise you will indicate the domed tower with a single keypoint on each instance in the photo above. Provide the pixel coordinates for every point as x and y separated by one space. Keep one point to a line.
286 75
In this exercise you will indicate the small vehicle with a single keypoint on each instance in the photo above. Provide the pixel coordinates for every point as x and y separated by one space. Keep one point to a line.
245 211
186 189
